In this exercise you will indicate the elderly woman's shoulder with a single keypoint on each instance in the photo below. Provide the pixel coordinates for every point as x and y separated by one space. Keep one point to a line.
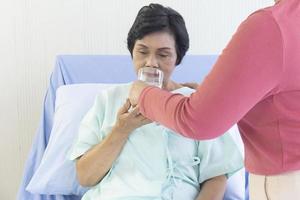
113 91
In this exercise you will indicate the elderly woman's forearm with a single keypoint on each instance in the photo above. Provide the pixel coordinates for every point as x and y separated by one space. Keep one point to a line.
94 164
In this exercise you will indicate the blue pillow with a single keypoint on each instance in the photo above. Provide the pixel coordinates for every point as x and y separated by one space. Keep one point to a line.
56 174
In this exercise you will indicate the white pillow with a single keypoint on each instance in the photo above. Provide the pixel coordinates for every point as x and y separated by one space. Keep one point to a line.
56 174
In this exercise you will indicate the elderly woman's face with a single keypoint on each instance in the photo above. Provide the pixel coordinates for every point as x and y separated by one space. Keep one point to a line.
156 50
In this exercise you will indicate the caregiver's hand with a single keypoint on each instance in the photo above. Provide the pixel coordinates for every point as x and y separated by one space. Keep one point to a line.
129 119
135 91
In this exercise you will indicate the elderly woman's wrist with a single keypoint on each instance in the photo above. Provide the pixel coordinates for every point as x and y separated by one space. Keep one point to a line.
121 131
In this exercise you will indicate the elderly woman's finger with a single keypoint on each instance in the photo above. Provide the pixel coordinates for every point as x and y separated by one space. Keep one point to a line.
146 121
143 120
125 107
135 112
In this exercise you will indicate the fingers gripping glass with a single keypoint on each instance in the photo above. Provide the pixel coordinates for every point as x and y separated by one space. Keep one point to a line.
151 76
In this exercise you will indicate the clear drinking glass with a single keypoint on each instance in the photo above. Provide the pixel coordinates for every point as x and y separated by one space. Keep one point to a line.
152 76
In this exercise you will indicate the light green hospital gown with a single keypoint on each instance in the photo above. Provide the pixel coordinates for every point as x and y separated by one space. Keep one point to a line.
155 163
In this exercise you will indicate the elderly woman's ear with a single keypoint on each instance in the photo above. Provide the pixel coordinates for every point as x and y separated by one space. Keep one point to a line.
192 85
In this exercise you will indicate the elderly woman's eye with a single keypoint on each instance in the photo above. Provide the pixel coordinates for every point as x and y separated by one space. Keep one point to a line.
163 55
143 52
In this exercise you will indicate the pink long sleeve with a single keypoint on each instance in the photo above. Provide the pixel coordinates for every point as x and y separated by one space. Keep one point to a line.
248 70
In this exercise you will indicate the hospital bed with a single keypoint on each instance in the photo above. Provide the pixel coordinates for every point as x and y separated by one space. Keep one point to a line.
79 69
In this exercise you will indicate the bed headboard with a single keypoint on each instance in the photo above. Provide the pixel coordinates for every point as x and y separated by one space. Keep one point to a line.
119 68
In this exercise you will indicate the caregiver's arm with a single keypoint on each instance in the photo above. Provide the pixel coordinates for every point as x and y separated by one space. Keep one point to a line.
213 189
94 164
248 70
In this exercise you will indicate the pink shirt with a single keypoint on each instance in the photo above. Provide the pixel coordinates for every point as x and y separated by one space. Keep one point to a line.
255 83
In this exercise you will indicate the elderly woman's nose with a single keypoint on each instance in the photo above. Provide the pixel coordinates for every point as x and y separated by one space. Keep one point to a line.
151 62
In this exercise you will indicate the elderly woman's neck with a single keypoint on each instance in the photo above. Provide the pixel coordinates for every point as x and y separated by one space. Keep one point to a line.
171 85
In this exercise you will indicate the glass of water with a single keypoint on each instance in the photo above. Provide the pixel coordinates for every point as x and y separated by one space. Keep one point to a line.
151 75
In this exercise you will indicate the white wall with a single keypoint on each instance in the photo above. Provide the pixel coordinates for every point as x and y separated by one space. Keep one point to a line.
33 32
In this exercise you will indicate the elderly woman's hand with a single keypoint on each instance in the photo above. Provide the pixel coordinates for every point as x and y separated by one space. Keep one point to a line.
129 119
135 91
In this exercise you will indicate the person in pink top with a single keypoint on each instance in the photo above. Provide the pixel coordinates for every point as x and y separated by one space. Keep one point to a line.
255 83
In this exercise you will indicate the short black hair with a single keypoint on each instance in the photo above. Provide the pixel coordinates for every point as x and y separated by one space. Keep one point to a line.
156 17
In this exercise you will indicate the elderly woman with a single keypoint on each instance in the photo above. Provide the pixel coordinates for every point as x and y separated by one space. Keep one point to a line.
121 155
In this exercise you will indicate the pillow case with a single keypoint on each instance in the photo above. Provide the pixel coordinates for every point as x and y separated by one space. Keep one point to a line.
56 174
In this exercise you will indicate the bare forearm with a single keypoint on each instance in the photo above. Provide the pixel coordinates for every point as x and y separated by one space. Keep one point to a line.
213 189
94 164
